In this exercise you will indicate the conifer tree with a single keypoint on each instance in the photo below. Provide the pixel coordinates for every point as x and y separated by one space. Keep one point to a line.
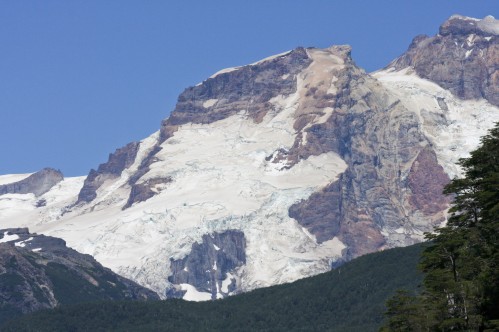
461 264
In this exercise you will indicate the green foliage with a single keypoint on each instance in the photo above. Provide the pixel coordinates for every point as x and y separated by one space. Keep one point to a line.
11 283
10 280
350 298
72 287
407 313
461 266
8 312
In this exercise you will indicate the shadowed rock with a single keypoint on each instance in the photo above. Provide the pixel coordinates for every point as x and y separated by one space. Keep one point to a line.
208 263
40 272
117 162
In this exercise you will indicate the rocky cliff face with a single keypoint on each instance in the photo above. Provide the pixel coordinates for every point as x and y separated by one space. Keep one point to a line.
209 267
118 161
288 166
39 272
379 139
461 58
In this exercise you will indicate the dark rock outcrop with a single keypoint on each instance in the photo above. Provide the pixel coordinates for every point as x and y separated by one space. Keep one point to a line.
461 58
141 192
121 159
39 272
37 183
208 263
322 213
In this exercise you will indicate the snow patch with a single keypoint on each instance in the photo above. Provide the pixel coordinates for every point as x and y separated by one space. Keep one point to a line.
226 283
470 40
23 243
192 294
465 18
209 103
272 57
223 71
231 69
7 237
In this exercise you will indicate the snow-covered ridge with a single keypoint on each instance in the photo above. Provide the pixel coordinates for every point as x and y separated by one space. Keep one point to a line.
230 69
272 57
223 71
488 24
11 178
464 18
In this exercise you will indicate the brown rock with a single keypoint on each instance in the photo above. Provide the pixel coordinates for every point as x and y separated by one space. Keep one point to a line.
427 180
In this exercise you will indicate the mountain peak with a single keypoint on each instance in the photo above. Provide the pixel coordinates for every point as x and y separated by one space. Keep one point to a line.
463 25
459 58
37 183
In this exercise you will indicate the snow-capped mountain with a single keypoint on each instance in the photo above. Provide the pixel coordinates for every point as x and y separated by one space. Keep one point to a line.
278 170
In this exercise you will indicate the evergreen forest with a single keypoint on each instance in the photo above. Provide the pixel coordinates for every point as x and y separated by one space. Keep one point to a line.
349 298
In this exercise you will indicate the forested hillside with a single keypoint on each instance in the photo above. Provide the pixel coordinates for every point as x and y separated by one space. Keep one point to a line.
349 298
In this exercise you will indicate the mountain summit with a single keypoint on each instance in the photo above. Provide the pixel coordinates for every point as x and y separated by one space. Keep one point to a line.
462 58
278 170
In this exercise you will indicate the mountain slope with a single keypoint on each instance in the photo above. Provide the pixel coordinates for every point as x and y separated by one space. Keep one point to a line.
40 272
278 170
350 298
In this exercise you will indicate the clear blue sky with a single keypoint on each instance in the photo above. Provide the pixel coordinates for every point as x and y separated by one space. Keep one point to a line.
80 78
